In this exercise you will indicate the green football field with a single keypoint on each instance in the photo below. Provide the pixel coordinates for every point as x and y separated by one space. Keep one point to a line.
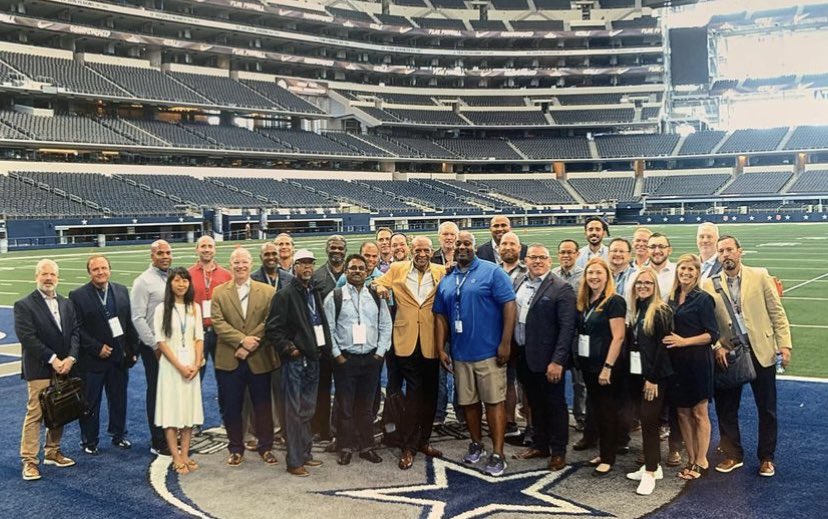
796 253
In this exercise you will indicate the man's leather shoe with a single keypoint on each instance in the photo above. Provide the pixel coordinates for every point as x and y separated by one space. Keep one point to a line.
673 459
91 450
371 456
31 472
584 444
251 445
58 460
344 458
406 460
767 469
528 454
428 450
301 472
269 458
235 459
623 450
123 443
313 463
729 465
556 463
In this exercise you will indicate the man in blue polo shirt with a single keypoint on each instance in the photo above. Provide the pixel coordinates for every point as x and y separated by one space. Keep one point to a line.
475 305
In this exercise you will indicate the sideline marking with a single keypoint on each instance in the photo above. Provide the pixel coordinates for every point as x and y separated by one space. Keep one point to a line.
821 326
805 283
158 479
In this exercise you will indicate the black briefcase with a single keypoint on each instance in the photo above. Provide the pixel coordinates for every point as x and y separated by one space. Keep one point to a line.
64 401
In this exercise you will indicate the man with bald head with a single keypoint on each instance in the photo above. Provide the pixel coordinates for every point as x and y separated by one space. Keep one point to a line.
245 359
270 271
147 293
707 236
498 226
414 284
509 251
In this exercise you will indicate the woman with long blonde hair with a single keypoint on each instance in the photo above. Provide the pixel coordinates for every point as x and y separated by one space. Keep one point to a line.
601 333
691 388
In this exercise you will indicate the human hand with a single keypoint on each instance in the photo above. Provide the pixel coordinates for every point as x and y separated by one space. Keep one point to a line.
105 352
554 372
503 352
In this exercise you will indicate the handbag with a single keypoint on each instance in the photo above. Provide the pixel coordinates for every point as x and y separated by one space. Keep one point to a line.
64 401
739 370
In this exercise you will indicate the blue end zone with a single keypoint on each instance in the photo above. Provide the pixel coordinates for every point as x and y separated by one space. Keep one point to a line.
7 335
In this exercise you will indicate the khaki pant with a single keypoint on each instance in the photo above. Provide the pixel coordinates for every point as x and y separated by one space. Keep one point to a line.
30 439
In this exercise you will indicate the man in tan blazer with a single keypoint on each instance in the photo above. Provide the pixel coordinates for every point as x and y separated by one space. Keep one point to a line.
761 317
244 359
414 284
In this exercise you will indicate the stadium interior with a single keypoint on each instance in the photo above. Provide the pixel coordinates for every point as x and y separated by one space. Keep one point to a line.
129 119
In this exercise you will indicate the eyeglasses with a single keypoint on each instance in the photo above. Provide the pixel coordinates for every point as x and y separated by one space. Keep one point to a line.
641 284
357 269
567 252
536 258
617 251
658 247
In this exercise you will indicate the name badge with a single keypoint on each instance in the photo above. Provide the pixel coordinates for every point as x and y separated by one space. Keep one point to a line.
115 326
206 308
524 311
319 332
583 345
359 333
635 362
458 326
186 356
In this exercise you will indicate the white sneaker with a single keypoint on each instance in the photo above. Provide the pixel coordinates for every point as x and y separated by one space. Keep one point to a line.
647 485
636 476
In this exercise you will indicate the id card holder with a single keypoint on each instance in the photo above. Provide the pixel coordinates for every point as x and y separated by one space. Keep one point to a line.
583 345
458 326
359 333
185 356
115 326
206 308
635 362
319 333
524 311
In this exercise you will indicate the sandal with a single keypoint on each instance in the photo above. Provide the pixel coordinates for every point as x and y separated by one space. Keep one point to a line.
693 472
683 472
192 465
181 468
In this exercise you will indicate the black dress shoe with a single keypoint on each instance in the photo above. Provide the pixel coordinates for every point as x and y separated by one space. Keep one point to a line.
371 456
344 458
122 443
91 450
624 449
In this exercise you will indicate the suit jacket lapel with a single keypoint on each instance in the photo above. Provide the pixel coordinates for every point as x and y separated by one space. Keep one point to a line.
233 295
41 303
543 286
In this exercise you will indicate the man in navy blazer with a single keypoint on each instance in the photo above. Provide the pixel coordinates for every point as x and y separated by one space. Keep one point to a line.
498 226
108 348
544 332
47 327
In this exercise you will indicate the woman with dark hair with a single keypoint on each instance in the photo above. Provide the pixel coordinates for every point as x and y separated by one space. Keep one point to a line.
180 337
691 388
601 332
650 319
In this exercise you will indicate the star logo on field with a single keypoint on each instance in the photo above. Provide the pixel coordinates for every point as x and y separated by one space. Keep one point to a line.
454 490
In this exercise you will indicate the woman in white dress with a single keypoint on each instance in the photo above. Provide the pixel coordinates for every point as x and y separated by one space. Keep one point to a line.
181 341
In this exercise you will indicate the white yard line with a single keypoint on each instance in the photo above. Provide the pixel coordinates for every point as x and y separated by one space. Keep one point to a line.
805 283
820 326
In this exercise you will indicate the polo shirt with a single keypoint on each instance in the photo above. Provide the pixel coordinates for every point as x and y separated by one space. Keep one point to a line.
204 283
475 297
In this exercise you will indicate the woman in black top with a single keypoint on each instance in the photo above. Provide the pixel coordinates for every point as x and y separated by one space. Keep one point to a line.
692 358
601 335
650 320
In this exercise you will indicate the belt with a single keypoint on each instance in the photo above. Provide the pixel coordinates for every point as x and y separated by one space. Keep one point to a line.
349 354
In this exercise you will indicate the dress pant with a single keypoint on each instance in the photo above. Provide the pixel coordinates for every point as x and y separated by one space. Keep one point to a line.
300 380
30 437
547 401
356 381
649 412
606 402
151 372
421 376
114 381
579 395
321 423
727 409
232 386
210 340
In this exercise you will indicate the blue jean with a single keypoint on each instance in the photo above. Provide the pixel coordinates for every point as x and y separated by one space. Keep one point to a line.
300 380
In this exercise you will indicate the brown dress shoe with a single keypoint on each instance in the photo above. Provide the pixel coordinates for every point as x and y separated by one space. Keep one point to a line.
556 463
251 445
673 459
406 460
235 459
313 463
729 465
428 450
529 454
301 472
767 469
269 458
58 460
31 472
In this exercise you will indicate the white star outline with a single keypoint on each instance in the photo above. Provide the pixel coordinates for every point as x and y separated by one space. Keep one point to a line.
437 508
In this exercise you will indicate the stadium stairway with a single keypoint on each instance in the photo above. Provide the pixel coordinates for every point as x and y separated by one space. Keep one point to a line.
516 149
639 187
718 146
791 181
679 144
786 138
724 186
573 192
593 149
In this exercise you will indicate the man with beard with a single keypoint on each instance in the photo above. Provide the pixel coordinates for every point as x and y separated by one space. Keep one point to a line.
383 238
270 272
595 230
660 249
707 236
641 237
147 293
399 247
298 329
284 247
475 305
509 252
762 321
498 226
446 235
415 285
324 281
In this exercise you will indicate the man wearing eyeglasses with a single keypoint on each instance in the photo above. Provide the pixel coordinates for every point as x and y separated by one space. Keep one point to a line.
619 260
568 270
660 249
543 334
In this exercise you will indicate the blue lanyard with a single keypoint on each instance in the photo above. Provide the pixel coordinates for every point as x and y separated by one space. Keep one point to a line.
459 292
356 305
182 324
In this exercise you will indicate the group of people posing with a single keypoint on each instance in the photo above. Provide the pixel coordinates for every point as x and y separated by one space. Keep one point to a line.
641 336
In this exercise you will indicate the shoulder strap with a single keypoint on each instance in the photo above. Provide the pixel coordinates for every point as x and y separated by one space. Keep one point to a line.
337 297
734 326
